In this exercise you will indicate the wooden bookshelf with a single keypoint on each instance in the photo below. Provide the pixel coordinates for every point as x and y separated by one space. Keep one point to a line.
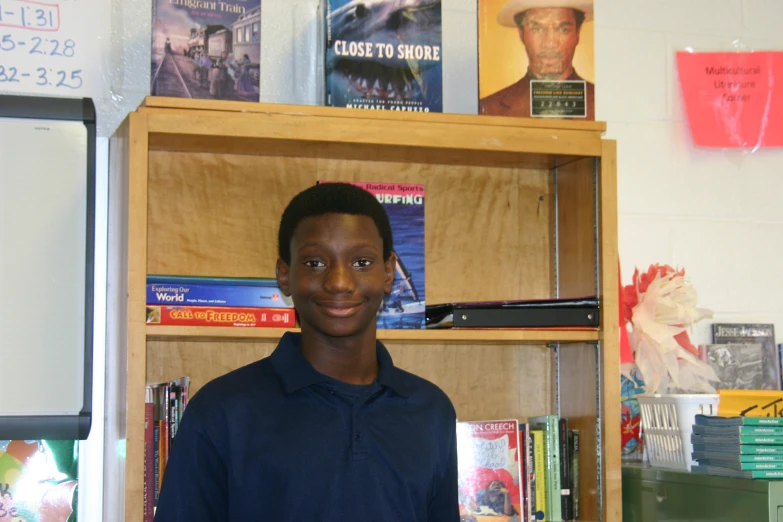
515 209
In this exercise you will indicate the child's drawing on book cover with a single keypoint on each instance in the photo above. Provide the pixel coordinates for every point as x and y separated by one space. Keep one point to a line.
384 55
489 471
206 49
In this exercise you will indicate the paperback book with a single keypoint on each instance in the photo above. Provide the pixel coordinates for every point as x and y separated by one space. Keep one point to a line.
490 470
206 49
384 55
220 316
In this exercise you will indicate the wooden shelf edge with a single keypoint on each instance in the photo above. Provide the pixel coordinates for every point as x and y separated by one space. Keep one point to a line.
207 333
162 102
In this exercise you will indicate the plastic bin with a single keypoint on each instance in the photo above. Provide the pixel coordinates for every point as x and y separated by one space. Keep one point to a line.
667 424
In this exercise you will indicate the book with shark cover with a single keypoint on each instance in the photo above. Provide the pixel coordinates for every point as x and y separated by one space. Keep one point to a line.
384 55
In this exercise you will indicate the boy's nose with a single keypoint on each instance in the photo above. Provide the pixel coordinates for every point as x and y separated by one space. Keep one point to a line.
339 278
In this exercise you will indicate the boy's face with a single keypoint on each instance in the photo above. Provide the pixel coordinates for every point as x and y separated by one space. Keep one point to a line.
337 277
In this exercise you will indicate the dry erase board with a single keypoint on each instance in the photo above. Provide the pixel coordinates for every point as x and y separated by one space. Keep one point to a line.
47 215
54 47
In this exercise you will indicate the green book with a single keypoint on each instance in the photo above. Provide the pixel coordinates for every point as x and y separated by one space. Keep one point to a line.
733 464
550 426
734 457
709 420
730 431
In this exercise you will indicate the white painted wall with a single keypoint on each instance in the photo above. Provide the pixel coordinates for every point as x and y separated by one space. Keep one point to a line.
715 212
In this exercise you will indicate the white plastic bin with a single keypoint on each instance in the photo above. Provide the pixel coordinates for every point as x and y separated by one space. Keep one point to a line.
667 424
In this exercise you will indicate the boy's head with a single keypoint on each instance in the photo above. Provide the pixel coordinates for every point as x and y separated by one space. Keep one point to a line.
332 198
335 261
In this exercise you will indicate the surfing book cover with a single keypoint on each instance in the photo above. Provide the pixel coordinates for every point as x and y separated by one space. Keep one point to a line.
384 55
489 474
404 204
206 49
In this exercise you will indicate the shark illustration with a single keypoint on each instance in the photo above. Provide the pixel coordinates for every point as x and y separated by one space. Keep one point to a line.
377 48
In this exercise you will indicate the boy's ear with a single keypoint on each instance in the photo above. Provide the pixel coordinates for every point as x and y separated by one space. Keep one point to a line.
283 271
389 266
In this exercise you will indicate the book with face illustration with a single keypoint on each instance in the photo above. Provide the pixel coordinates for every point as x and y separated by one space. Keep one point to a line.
384 55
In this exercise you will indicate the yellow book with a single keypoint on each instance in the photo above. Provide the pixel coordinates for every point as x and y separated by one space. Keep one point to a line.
539 456
750 403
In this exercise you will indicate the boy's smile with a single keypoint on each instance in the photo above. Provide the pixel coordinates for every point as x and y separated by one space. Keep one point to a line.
337 277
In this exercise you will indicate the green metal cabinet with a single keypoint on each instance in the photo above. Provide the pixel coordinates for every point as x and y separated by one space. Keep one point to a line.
652 494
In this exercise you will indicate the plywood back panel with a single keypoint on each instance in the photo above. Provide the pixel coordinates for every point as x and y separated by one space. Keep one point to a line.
483 381
578 404
218 214
577 228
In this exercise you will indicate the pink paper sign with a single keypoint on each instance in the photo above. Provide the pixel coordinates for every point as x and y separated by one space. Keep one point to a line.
732 99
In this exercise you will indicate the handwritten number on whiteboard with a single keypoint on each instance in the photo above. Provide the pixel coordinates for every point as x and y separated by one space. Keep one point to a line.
35 50
42 80
8 75
74 82
69 48
7 43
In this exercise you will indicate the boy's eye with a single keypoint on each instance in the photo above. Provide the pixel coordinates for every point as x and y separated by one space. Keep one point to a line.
314 263
362 263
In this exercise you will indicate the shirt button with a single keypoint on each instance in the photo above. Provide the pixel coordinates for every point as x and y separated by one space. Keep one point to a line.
357 436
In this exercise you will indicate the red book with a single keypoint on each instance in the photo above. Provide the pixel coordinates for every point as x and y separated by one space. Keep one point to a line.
149 456
489 470
220 316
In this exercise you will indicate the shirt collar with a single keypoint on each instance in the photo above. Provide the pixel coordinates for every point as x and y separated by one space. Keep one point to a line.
296 372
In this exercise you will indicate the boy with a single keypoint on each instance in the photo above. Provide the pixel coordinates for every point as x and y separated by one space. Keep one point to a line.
326 428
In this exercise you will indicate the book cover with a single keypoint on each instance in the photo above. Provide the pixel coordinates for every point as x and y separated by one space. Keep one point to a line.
489 469
404 308
216 295
206 49
751 403
740 366
220 316
711 420
536 60
549 424
525 466
38 480
744 333
540 463
384 55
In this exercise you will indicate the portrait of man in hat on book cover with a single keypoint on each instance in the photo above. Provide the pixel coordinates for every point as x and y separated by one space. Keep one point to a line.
549 32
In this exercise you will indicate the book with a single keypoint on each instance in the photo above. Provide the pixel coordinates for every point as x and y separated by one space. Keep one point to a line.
728 472
384 55
730 431
540 463
549 424
522 73
211 280
751 403
525 465
206 49
220 316
735 457
767 377
489 474
711 420
216 295
404 203
540 313
739 366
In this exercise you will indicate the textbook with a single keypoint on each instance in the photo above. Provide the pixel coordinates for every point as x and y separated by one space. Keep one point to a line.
220 316
216 295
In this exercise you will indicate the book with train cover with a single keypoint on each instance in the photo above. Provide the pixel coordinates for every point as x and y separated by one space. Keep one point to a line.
206 49
384 55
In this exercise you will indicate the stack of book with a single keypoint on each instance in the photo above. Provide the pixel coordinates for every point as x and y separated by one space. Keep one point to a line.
217 301
164 405
518 471
743 447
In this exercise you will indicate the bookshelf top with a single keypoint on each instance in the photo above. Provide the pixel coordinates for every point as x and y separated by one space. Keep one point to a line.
242 127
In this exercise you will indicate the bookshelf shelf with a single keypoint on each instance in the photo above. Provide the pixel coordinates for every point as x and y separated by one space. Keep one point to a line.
205 333
515 209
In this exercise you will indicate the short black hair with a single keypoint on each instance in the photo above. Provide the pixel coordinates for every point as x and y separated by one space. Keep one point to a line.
579 17
328 198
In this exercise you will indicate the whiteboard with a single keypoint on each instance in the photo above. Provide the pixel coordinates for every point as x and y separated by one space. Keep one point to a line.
46 218
54 47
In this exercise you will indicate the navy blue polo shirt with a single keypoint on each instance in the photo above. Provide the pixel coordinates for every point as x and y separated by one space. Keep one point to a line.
278 441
